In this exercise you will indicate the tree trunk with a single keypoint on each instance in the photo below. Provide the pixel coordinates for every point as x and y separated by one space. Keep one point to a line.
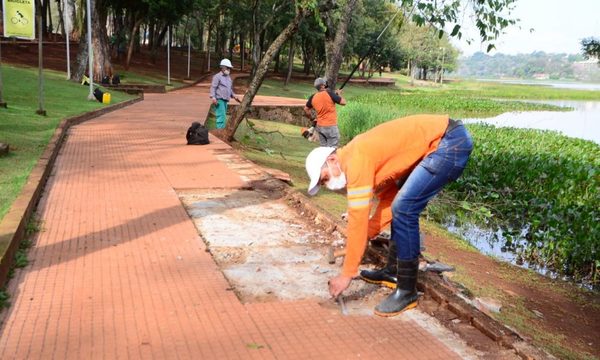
82 57
256 50
242 52
151 27
201 35
335 40
157 43
208 47
132 37
290 62
61 15
231 43
49 9
255 38
261 72
102 64
101 51
277 61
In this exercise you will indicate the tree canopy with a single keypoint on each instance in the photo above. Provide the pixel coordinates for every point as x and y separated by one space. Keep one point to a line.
330 35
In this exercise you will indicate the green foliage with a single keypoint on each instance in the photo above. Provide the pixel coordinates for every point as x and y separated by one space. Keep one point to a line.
366 111
591 47
556 197
491 16
4 299
21 259
524 66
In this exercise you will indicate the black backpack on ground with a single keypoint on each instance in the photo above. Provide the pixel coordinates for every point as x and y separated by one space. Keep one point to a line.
197 134
106 80
98 94
116 79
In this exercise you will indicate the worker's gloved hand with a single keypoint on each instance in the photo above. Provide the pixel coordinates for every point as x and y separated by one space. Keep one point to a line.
338 284
313 123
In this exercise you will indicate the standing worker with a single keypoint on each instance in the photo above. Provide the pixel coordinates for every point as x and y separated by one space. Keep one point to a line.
221 91
324 104
432 150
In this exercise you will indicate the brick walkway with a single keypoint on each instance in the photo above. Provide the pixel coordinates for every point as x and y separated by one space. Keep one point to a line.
119 270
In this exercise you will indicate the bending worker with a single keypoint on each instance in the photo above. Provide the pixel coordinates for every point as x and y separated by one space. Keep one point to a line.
431 151
221 91
324 104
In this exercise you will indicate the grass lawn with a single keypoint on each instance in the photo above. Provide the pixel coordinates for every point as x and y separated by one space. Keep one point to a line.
28 133
462 89
128 77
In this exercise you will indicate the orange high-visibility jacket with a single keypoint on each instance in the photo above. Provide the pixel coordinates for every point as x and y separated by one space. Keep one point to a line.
372 162
324 103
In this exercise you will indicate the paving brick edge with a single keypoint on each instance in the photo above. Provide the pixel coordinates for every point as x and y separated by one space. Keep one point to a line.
434 286
14 223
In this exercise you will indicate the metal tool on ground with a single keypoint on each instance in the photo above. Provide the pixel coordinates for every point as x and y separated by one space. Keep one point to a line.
343 308
334 253
438 267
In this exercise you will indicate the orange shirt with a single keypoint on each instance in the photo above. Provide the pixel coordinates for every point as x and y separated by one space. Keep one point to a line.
324 103
372 162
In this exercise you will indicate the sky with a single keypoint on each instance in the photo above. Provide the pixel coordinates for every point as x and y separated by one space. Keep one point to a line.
558 25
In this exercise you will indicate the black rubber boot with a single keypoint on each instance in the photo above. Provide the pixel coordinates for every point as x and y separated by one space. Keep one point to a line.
387 275
405 296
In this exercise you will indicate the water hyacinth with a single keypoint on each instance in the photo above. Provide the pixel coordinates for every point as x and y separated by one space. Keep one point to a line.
516 179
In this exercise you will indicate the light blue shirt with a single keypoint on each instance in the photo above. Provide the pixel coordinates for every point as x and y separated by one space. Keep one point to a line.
222 87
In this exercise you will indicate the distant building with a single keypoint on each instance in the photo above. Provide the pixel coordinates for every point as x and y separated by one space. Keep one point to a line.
587 70
541 76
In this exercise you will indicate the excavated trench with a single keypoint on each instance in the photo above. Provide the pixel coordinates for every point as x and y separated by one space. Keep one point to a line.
273 247
267 249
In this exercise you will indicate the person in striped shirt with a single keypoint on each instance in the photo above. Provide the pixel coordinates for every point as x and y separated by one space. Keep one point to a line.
429 151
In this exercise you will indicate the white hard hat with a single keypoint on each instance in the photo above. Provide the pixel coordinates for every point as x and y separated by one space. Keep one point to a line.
314 163
226 62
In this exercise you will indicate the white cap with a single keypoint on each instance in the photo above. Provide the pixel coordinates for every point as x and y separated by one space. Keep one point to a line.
227 63
314 163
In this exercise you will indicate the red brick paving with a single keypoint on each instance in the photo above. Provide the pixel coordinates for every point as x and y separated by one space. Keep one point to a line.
119 270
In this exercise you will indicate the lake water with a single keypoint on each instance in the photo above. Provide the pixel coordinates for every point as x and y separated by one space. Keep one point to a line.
562 85
583 122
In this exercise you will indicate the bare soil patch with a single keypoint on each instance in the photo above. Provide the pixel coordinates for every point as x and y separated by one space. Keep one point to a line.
541 309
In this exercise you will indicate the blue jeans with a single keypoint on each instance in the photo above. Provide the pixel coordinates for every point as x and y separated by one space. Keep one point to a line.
220 113
427 179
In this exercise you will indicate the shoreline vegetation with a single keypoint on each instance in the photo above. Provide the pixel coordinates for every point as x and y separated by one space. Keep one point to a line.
539 188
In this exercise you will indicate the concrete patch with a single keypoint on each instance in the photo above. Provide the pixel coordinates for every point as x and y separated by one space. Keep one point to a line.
265 248
269 249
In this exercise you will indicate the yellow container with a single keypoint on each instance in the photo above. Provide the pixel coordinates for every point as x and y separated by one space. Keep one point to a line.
106 98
